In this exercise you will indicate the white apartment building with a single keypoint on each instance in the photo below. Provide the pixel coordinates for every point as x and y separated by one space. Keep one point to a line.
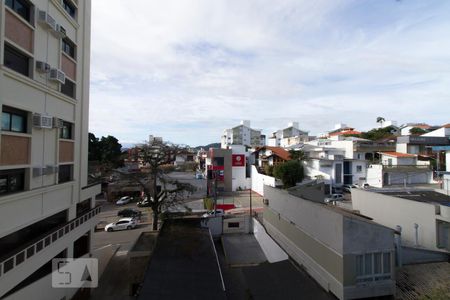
47 208
289 136
243 135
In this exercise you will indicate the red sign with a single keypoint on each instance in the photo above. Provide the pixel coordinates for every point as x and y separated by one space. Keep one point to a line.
238 160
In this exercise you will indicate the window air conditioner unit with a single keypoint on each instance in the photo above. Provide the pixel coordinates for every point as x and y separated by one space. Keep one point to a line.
60 31
48 170
57 123
47 20
41 121
37 171
42 67
57 75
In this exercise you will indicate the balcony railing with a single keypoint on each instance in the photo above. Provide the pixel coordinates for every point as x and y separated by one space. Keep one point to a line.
25 254
409 167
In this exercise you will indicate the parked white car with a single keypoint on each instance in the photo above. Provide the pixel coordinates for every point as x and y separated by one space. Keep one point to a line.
122 224
334 197
124 200
219 212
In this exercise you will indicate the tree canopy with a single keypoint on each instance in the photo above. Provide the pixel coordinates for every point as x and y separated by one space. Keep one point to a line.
417 131
289 172
106 150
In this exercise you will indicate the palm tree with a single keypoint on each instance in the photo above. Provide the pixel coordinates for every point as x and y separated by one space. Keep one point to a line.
381 120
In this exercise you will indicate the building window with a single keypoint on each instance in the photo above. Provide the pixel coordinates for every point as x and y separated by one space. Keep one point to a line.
69 8
66 131
12 181
68 88
14 120
65 173
21 7
68 47
16 61
373 267
359 169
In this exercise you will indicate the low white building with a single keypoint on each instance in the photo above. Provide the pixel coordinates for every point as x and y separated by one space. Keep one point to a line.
398 168
348 255
424 216
405 129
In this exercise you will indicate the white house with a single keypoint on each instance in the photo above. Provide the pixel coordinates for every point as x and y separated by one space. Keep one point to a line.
398 168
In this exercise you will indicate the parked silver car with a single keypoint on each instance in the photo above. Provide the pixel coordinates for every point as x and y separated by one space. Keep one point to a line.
334 197
122 224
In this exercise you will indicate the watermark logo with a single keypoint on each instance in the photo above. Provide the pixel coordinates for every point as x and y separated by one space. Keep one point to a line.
75 273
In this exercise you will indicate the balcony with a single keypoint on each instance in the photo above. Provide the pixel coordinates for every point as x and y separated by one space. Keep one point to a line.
407 167
37 246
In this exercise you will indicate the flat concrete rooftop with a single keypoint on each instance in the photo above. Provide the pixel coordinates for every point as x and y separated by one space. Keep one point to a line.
420 196
183 265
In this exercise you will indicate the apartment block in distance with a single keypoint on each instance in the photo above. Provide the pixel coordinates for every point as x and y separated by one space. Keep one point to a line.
47 208
243 135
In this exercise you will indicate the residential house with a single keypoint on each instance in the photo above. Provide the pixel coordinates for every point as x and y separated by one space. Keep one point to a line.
347 254
405 129
243 135
397 168
47 208
351 162
270 156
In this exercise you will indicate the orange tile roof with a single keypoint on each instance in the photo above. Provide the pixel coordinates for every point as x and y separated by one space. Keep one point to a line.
446 125
398 154
344 132
278 151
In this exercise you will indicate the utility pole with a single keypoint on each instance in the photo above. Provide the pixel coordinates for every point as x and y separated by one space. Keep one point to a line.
251 212
215 192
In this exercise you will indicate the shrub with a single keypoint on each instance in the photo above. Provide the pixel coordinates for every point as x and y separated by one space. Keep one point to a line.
268 170
289 172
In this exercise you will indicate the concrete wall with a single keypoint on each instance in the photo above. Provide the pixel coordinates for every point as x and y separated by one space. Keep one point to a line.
243 223
375 175
326 240
259 180
392 211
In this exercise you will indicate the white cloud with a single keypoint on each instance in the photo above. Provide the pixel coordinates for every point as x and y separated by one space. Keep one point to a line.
186 70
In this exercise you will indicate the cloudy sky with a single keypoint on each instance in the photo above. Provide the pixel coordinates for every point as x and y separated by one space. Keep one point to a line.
186 70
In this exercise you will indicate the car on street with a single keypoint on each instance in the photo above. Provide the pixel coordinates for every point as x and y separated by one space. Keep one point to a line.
122 224
346 188
334 197
144 202
124 200
219 213
129 212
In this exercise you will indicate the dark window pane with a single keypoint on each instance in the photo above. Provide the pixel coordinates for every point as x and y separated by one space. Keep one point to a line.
66 131
386 262
368 264
16 61
11 181
22 8
9 3
68 88
377 263
69 8
6 121
65 173
17 123
68 47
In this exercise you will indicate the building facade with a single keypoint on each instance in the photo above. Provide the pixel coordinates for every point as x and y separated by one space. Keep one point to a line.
346 254
47 208
243 135
288 136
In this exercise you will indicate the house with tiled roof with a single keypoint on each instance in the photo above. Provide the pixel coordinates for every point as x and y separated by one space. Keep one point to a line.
405 128
270 156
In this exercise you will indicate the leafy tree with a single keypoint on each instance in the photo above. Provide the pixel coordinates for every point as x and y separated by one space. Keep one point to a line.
110 150
156 156
94 148
378 133
298 155
289 172
417 131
